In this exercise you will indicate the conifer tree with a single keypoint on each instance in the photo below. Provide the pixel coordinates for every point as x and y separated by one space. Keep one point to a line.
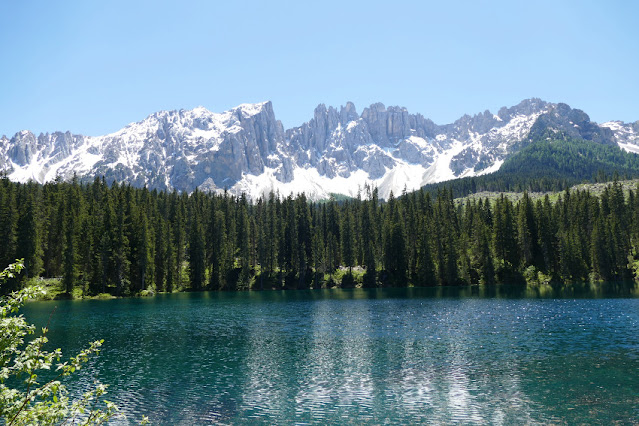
179 238
526 231
171 274
425 264
121 239
304 239
291 253
54 224
121 249
395 261
69 269
387 231
143 258
332 237
8 222
368 246
547 236
261 229
272 226
598 248
504 239
332 253
319 259
28 235
218 257
447 229
196 253
243 231
482 261
159 254
348 252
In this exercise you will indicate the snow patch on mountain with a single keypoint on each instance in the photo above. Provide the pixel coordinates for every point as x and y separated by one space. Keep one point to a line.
246 149
626 134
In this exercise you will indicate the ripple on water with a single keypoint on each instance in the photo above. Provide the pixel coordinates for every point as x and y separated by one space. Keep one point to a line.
352 357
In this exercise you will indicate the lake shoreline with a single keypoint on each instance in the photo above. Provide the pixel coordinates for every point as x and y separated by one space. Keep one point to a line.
541 290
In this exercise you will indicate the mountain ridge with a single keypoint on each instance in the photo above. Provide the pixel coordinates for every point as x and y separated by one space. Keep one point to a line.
246 149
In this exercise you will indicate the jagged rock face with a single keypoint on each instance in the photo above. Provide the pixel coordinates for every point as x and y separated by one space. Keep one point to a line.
488 139
169 149
572 122
198 145
338 150
23 148
625 135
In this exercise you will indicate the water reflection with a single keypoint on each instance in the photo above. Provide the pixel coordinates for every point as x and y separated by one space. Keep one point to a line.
336 374
263 392
398 356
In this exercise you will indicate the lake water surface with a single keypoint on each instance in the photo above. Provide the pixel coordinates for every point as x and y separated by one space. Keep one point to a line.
394 356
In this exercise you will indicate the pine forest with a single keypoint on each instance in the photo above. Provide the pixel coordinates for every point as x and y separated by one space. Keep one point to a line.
101 238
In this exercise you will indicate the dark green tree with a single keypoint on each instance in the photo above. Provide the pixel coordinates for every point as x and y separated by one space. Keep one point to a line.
196 253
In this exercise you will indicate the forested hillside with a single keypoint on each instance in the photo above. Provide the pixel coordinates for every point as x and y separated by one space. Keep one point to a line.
121 240
552 163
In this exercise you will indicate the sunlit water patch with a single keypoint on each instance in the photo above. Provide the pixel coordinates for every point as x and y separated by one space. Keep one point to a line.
360 356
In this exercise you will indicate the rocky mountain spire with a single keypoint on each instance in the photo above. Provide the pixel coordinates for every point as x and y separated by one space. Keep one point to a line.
246 149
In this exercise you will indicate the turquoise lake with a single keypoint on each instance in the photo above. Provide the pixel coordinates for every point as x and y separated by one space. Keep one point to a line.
392 356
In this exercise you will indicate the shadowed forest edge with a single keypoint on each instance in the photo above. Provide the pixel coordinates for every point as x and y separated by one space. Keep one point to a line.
95 239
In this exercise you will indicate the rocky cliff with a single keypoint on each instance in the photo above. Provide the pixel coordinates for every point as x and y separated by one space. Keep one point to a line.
247 149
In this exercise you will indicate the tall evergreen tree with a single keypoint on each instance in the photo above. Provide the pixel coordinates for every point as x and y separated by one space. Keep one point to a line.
69 258
69 269
368 246
121 248
196 253
243 240
504 239
28 236
526 231
160 254
171 273
8 222
347 243
425 264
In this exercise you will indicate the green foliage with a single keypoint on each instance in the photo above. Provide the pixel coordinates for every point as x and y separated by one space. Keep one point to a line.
121 241
552 163
572 159
25 398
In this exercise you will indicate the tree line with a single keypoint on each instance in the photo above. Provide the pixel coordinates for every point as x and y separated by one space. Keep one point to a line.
552 163
121 240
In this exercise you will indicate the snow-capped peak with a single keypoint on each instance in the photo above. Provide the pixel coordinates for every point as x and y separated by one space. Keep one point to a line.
338 150
252 109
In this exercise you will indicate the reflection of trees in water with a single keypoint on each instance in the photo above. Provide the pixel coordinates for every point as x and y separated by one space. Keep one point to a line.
404 355
337 374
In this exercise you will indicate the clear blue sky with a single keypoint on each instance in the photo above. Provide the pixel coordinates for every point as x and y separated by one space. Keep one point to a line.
92 67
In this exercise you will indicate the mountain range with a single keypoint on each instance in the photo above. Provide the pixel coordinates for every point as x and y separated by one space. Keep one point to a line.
338 151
